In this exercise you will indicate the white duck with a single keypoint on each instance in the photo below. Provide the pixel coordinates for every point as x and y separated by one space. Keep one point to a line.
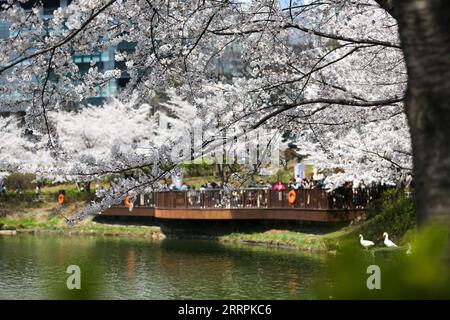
388 243
365 243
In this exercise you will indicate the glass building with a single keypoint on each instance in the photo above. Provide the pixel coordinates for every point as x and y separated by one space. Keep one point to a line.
103 60
224 68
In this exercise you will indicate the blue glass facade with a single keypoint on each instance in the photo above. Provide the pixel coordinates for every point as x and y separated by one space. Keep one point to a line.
102 60
224 68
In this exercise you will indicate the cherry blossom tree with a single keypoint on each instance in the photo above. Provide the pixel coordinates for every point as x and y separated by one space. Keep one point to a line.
333 72
373 152
20 153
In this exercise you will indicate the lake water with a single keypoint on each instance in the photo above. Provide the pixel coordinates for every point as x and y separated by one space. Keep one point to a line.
34 267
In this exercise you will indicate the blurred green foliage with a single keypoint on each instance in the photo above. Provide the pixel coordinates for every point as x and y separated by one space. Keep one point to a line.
421 274
282 175
198 168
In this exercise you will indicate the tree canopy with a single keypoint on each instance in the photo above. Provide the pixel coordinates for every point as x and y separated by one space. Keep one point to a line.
331 72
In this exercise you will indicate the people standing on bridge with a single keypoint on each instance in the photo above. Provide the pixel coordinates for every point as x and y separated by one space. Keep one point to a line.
338 197
295 184
164 185
173 187
305 184
264 185
212 185
184 187
361 195
279 186
291 184
193 196
348 194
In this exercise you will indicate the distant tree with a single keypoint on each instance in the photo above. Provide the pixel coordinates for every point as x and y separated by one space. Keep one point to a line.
20 153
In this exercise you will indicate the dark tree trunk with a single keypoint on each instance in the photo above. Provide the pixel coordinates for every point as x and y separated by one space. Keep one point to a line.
425 35
221 171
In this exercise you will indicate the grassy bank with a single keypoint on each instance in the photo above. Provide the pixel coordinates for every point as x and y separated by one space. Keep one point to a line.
55 227
328 242
48 218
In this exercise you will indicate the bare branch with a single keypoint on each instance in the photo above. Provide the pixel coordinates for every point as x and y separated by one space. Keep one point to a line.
44 112
60 43
312 31
344 102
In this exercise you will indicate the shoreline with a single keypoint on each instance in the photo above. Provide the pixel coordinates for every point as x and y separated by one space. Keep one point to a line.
277 245
319 245
90 229
314 243
43 232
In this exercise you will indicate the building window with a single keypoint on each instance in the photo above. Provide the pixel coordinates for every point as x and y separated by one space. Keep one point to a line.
87 58
105 56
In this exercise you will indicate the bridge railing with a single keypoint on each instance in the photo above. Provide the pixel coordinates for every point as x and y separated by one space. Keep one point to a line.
252 198
241 198
142 200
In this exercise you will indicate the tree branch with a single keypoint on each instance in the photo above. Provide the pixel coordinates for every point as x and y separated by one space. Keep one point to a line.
44 112
315 32
199 38
60 43
344 102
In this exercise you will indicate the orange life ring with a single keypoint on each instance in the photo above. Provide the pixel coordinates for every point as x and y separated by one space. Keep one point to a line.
127 202
61 199
291 197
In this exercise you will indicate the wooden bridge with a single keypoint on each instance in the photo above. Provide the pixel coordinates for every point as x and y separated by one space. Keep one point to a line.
245 204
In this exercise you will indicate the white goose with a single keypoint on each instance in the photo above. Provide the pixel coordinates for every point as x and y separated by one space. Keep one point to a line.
388 243
365 243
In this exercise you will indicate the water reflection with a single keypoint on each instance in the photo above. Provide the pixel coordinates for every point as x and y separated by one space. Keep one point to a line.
34 268
131 264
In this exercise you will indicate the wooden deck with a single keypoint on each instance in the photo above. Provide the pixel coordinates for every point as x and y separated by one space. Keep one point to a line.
122 211
313 206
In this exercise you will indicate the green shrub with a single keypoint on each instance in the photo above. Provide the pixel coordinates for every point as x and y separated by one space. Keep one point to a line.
393 213
198 168
283 175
